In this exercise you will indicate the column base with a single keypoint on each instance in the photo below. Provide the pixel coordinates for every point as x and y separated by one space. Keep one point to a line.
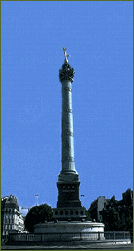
69 214
68 194
68 176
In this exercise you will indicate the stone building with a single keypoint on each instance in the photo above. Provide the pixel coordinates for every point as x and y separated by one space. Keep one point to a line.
96 207
123 210
11 219
127 197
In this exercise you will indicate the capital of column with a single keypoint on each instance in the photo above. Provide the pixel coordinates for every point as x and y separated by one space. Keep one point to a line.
66 73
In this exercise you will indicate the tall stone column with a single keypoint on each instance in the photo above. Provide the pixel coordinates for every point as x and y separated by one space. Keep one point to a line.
68 172
68 179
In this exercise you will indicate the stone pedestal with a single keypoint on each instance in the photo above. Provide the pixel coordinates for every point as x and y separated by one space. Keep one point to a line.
72 230
68 194
69 214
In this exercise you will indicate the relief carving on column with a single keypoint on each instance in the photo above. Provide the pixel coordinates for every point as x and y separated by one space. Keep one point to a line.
68 133
65 158
67 110
68 89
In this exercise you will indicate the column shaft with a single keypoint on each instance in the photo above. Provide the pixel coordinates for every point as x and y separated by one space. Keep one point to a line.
67 128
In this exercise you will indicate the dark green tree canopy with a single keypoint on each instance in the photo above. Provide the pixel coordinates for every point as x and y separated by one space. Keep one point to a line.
88 218
38 214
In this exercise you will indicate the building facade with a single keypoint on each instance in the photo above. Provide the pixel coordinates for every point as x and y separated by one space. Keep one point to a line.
96 207
116 215
127 197
11 219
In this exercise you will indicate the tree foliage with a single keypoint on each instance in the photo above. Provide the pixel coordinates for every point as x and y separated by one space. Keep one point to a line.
37 214
113 219
118 219
88 217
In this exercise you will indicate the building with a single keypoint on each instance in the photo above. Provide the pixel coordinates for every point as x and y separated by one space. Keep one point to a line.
11 219
121 212
127 197
96 207
124 208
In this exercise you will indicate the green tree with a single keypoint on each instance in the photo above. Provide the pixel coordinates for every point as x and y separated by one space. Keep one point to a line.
111 219
88 217
37 214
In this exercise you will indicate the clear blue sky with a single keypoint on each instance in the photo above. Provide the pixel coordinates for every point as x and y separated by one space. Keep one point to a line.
98 36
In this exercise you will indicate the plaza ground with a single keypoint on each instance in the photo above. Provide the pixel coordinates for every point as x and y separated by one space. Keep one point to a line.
80 247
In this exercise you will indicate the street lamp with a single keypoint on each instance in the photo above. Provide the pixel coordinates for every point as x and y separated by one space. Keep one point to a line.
36 195
82 195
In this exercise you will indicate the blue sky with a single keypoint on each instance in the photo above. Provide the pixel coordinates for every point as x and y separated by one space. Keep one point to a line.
98 36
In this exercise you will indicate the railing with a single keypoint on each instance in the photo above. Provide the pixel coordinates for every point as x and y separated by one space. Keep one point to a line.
27 238
117 235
